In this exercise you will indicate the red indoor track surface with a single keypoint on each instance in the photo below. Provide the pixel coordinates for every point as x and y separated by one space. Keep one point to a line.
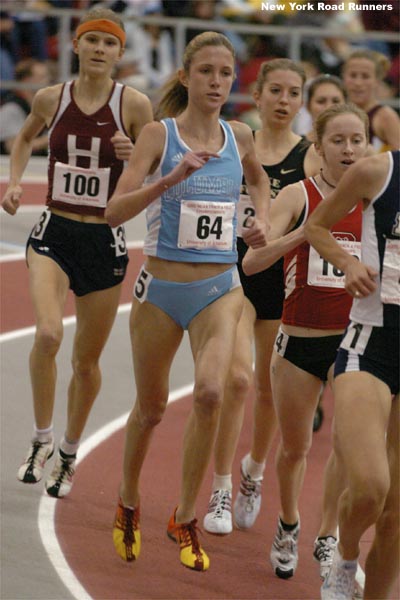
240 567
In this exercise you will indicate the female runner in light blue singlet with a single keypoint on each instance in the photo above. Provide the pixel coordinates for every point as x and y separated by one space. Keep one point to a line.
194 165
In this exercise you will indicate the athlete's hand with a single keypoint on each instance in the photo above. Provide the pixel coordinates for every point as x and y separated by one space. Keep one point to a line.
255 234
11 199
191 162
122 145
360 279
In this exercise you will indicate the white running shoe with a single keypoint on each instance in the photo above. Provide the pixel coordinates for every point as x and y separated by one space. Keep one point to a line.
324 548
248 500
340 582
59 483
284 554
219 515
31 470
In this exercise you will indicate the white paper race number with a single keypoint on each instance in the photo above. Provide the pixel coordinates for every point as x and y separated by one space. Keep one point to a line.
85 187
206 225
323 274
244 212
390 285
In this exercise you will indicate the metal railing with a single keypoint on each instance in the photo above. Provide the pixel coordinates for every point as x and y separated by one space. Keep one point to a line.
294 35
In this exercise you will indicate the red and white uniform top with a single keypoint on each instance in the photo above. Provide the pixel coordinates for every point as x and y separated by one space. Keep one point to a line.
82 168
314 289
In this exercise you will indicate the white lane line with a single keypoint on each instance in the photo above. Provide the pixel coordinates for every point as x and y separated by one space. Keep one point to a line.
19 333
136 245
86 447
12 257
47 506
10 247
30 208
38 179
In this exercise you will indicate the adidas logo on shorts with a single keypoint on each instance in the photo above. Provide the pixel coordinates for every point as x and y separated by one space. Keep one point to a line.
213 291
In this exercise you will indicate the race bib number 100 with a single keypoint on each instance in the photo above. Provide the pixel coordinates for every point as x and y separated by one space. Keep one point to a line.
206 225
84 187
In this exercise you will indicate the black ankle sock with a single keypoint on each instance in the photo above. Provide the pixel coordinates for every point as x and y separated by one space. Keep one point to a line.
287 527
66 456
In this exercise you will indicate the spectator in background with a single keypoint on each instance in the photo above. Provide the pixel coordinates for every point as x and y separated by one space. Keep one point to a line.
363 73
29 34
128 72
7 65
175 8
321 93
207 10
389 20
17 105
327 54
152 48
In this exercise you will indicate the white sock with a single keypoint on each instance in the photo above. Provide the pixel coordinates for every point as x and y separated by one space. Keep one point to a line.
222 482
43 435
343 561
252 468
68 447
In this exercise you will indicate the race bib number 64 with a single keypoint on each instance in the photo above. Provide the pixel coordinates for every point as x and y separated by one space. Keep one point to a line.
204 225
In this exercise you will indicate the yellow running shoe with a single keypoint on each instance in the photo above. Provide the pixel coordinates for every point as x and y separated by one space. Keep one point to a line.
126 532
185 534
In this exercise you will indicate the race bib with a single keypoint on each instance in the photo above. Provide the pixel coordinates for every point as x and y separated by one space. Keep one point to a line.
206 225
40 227
390 284
142 285
245 210
119 240
82 187
322 274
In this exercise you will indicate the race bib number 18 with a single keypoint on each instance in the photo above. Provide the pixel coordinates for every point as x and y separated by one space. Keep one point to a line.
323 274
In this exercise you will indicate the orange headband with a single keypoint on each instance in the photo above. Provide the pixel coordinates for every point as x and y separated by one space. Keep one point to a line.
102 25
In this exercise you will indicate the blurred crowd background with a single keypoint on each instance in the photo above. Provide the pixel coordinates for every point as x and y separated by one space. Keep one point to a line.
36 50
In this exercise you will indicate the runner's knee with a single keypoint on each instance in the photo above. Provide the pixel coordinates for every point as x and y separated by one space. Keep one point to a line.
207 397
296 451
368 493
239 381
85 368
48 339
149 414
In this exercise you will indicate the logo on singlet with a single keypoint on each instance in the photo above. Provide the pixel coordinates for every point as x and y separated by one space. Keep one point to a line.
177 157
286 171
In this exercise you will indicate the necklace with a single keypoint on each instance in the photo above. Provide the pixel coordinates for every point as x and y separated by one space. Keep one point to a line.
324 180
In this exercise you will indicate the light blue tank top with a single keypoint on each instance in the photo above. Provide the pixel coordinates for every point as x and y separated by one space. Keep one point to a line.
195 220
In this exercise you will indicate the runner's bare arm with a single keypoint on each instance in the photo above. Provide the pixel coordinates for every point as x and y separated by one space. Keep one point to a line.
258 186
43 108
285 211
361 182
136 112
130 196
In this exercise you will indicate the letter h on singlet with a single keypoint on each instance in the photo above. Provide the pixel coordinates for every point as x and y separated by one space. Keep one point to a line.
93 152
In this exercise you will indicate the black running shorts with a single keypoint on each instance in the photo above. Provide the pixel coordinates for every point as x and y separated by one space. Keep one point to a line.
93 256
